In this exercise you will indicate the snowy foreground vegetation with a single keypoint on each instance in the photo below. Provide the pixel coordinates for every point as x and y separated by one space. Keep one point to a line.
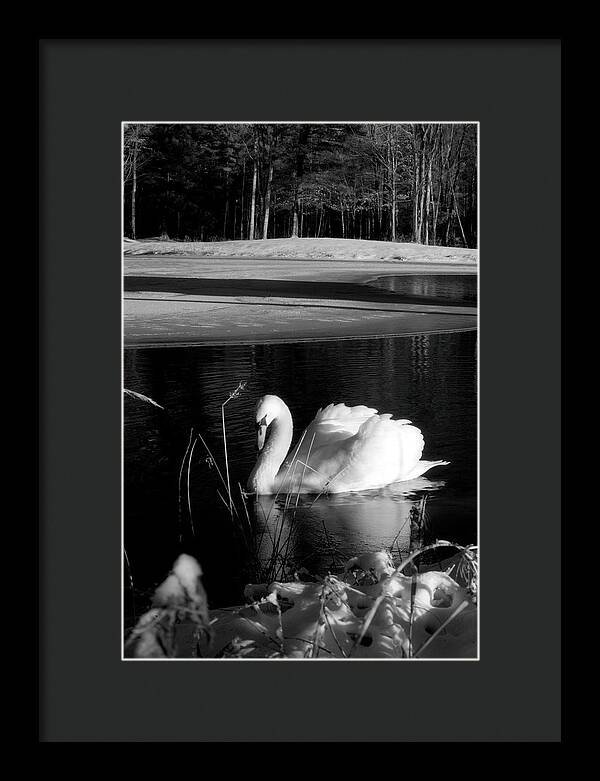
374 609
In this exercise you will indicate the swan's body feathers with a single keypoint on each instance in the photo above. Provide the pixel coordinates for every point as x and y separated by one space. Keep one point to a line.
332 424
422 467
381 452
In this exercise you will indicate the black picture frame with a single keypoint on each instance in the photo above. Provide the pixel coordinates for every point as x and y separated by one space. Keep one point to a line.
87 87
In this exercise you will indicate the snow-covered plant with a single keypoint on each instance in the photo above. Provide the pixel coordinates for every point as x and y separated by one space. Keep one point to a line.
180 599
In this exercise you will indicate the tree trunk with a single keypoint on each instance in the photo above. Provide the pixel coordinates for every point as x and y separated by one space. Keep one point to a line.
393 205
320 212
225 219
449 223
428 203
302 141
242 199
134 182
458 218
416 184
254 181
268 196
436 209
295 222
422 193
391 165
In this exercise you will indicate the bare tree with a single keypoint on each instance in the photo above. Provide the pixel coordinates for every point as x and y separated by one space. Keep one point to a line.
270 143
254 184
297 174
136 153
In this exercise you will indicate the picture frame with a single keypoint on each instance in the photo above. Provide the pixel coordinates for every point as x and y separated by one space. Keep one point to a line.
512 88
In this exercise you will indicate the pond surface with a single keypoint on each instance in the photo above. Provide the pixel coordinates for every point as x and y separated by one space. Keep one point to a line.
442 288
430 379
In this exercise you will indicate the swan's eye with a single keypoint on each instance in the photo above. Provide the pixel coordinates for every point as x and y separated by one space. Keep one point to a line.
261 422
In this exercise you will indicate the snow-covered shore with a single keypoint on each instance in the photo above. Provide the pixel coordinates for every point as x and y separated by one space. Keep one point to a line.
308 249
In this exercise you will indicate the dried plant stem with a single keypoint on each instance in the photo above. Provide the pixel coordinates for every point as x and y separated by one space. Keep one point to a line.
180 476
129 572
265 530
439 544
391 548
222 498
281 524
310 642
341 650
312 469
304 473
141 397
188 487
292 463
226 455
279 554
328 483
243 498
212 458
289 537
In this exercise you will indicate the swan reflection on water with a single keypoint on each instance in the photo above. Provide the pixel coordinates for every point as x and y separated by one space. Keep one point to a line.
322 532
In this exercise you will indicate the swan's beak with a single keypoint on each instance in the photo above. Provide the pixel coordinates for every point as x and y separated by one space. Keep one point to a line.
261 432
261 436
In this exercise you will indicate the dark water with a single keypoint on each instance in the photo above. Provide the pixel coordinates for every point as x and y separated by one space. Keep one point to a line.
430 379
450 288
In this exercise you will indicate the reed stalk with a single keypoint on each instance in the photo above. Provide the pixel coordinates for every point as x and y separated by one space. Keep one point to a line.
188 487
179 483
131 585
233 395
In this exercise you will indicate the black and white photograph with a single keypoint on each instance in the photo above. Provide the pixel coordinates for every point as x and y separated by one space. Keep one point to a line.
300 375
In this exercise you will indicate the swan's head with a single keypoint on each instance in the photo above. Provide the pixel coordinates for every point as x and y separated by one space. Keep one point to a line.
267 409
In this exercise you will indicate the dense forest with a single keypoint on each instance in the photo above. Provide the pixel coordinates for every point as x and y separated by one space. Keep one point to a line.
396 182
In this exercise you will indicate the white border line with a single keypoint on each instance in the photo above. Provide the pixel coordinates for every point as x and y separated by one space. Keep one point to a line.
121 400
478 350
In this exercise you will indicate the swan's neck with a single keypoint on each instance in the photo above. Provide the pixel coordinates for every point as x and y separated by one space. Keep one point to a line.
263 480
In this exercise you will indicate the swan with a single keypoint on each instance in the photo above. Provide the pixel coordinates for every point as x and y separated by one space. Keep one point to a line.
343 449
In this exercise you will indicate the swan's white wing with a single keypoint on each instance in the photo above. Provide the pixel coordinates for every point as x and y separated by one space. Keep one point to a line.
334 423
422 467
382 451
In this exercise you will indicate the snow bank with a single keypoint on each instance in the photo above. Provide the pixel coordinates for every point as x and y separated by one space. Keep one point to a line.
306 249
